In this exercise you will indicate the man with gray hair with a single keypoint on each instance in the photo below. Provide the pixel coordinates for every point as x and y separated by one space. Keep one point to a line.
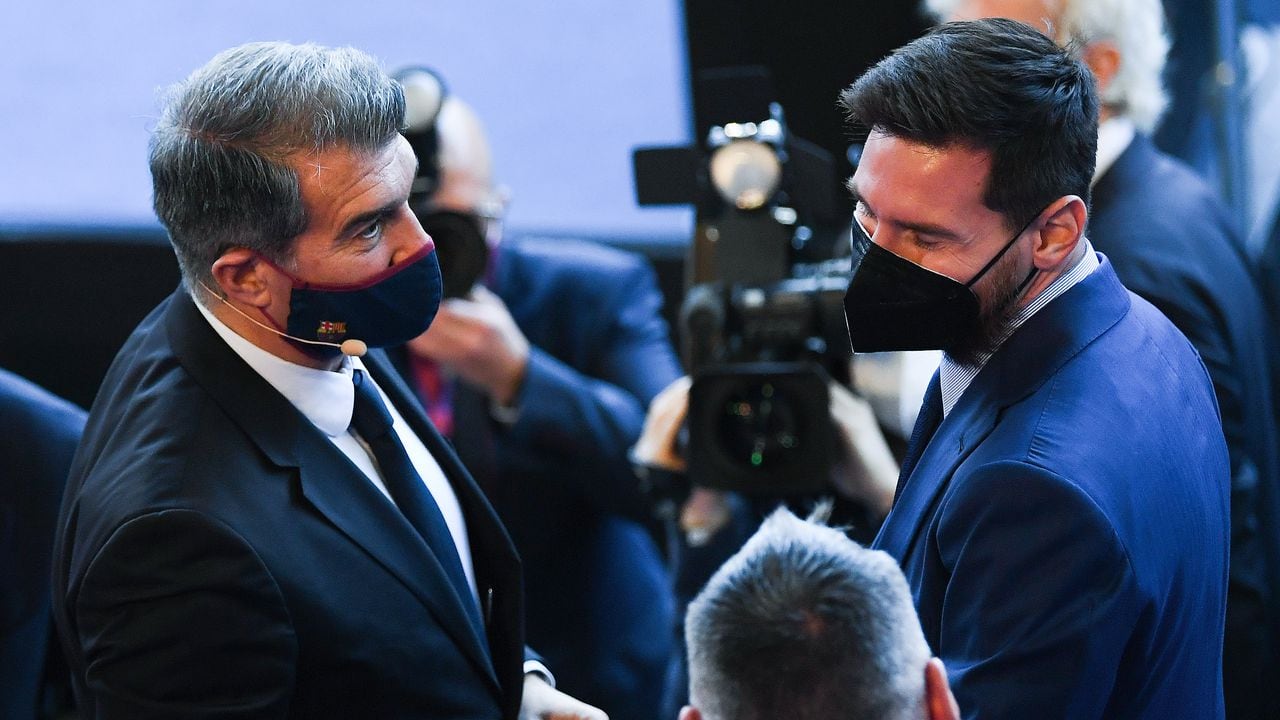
1172 242
804 623
260 521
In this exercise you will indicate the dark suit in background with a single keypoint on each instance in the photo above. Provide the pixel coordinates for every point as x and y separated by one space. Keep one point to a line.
218 556
38 436
1065 529
1172 242
599 600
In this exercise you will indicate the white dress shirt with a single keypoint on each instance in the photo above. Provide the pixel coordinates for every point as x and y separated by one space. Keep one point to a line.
1114 136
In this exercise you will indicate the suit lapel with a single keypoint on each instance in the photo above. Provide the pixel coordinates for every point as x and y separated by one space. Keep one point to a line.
963 429
1051 337
329 481
349 501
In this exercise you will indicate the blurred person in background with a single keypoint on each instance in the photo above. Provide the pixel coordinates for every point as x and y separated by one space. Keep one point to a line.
38 436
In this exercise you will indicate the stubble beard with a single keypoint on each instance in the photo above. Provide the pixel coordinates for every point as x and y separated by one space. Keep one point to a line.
994 317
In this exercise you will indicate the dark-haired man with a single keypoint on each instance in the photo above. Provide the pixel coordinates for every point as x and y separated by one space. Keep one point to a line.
259 522
1173 243
1062 513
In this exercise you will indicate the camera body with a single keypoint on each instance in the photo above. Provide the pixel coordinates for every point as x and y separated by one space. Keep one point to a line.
762 328
761 356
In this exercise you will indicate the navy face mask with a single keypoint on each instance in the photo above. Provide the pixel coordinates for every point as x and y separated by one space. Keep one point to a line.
390 308
895 304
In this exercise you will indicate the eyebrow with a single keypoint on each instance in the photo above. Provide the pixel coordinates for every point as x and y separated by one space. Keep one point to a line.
382 213
368 217
920 228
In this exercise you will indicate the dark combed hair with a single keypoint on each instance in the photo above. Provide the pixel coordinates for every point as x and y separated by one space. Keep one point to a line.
995 85
220 154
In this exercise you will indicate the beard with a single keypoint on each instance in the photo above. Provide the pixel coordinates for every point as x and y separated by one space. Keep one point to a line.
994 317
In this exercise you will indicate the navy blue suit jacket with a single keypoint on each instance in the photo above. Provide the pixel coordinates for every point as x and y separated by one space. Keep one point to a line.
1172 242
217 556
1064 531
599 600
38 436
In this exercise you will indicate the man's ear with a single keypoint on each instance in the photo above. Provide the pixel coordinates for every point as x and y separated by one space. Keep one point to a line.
689 712
242 275
1061 228
939 701
1103 58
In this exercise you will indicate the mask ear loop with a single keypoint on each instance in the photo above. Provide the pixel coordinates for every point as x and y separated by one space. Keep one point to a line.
1000 254
350 347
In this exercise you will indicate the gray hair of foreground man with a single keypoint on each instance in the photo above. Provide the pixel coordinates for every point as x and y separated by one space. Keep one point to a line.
804 623
223 152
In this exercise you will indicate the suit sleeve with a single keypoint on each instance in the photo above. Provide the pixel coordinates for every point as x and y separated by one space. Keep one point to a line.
1039 604
178 617
589 418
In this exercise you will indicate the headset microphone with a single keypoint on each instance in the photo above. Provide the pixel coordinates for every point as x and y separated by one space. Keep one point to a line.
353 347
350 347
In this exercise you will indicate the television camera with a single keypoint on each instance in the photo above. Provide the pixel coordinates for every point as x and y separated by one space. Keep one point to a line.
762 326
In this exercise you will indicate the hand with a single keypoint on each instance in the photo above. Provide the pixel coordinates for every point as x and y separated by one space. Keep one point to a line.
703 515
478 339
706 511
867 470
657 443
540 701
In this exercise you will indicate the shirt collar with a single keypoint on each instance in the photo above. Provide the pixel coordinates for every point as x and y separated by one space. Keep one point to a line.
324 397
1114 136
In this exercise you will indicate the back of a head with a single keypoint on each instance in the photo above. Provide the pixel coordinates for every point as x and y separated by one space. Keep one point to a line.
221 152
1135 27
993 85
804 623
466 163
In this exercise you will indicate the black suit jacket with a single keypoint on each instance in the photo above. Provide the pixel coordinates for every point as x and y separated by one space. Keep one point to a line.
1172 242
217 556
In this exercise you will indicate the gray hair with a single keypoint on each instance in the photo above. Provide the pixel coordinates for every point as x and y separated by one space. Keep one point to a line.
804 623
221 152
1135 26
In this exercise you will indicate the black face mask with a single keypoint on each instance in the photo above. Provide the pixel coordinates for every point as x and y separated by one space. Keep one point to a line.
895 304
460 243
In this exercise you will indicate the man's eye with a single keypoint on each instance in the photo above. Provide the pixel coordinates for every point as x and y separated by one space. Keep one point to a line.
372 232
924 243
864 219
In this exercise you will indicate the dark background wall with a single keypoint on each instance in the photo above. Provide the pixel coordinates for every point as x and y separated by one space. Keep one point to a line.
813 49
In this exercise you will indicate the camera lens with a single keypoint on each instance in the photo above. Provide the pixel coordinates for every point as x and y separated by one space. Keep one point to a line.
759 427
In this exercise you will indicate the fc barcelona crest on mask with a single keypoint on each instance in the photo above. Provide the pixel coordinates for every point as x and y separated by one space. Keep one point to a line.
330 330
